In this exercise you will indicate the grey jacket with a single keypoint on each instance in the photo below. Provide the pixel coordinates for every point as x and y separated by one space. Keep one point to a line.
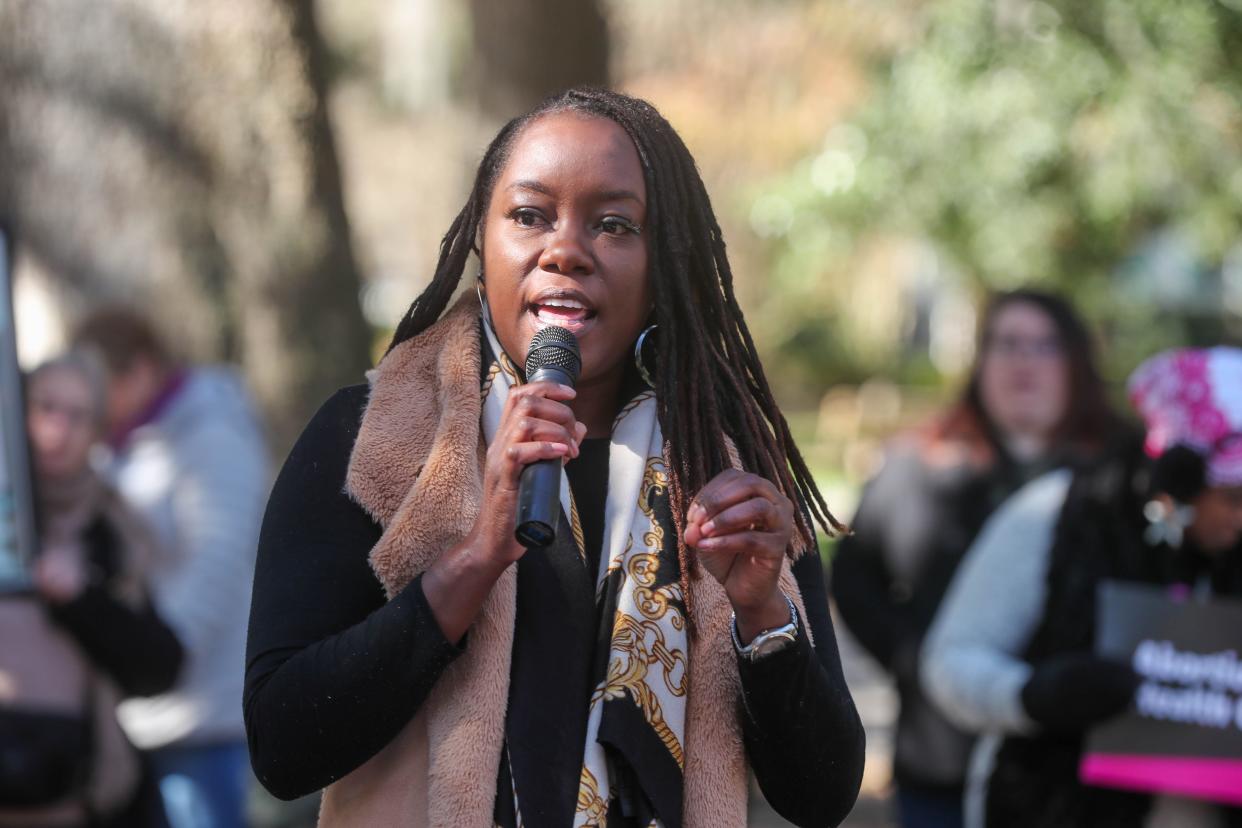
200 474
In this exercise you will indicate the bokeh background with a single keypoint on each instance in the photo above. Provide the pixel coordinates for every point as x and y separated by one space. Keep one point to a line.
270 180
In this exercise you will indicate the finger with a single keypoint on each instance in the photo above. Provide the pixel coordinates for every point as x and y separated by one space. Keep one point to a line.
692 534
754 515
539 408
544 388
520 455
755 544
720 566
531 430
729 488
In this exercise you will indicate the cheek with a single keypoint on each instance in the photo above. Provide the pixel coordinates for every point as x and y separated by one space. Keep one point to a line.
1051 380
45 432
631 303
82 440
503 270
990 385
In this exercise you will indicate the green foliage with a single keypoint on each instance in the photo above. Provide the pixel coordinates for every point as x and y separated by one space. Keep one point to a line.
1033 143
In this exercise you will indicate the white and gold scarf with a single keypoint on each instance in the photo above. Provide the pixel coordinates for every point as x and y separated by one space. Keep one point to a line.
648 654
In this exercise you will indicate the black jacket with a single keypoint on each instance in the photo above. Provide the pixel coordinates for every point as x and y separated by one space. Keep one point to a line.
1099 535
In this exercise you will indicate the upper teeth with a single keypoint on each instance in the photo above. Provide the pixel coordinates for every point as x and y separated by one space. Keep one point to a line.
563 303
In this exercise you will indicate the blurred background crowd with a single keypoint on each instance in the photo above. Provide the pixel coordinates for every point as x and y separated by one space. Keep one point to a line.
264 183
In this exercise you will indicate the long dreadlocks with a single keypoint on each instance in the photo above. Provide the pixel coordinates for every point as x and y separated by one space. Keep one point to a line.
710 383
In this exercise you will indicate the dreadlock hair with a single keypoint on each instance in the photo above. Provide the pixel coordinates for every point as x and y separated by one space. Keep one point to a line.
710 384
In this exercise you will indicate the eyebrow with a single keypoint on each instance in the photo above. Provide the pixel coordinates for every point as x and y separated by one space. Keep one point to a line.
609 195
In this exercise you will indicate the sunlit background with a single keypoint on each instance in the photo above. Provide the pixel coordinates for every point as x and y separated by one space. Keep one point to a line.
271 179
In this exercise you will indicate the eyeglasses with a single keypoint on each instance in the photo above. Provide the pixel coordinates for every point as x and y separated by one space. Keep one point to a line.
1043 347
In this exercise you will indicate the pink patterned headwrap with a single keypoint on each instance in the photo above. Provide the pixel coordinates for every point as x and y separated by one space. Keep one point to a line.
1193 397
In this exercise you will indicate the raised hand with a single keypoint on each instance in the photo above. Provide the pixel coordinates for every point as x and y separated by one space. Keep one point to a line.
740 524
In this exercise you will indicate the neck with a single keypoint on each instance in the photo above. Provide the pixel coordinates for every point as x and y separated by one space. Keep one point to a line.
1025 447
159 389
596 403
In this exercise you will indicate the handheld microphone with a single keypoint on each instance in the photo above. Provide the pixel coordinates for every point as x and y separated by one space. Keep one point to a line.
553 356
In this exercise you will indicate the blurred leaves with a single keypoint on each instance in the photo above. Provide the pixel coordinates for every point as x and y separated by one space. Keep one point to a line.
1030 143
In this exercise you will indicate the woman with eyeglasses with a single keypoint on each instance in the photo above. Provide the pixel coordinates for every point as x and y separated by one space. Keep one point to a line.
1034 402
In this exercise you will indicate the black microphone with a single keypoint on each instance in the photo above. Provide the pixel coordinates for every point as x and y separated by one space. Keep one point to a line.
552 356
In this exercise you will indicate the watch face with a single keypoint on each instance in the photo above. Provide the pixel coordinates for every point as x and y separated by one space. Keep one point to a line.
772 644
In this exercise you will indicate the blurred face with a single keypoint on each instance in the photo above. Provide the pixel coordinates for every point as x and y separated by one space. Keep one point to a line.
1024 376
1217 524
130 392
564 243
62 425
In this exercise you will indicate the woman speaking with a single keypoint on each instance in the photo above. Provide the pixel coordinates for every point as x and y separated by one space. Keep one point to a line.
408 654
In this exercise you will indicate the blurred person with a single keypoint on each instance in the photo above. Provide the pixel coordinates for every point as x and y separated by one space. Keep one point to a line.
1034 401
94 639
1011 652
190 455
410 655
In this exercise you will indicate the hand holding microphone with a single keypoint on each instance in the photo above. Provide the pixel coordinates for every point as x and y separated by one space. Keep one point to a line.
552 357
536 427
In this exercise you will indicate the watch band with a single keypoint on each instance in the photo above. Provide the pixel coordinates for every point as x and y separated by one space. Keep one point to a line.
768 641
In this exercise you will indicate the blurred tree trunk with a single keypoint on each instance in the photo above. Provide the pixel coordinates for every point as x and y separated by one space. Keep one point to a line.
526 50
178 156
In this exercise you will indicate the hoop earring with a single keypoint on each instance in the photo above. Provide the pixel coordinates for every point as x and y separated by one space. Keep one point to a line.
638 355
487 314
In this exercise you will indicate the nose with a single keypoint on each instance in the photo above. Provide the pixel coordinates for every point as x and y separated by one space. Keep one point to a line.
48 432
568 251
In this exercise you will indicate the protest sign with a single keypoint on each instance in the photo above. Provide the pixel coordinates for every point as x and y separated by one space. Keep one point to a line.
1183 733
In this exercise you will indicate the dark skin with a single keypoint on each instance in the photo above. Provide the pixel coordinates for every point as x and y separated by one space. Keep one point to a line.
563 243
1217 523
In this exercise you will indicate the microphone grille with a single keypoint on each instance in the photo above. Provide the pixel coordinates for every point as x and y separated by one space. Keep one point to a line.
554 347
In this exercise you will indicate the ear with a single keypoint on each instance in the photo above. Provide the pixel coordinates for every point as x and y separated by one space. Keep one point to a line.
1181 473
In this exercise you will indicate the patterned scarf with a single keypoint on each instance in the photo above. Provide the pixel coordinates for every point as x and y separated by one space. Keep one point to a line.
638 707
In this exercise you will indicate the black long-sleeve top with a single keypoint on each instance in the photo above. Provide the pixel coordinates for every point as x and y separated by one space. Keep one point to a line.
333 671
132 645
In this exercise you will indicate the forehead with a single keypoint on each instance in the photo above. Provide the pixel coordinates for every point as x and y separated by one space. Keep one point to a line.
572 150
63 384
1022 317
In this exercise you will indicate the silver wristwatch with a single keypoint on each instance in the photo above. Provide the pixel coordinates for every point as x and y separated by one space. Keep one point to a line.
768 641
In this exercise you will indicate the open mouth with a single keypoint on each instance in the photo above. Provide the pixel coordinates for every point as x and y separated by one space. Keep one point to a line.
565 309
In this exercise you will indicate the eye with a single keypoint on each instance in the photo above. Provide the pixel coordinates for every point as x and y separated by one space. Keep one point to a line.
618 226
526 217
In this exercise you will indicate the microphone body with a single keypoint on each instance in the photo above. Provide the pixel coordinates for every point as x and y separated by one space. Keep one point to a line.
553 357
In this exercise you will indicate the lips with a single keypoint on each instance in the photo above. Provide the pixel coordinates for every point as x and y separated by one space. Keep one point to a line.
569 309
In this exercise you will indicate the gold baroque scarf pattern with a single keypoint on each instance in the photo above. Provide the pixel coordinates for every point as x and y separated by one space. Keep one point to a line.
642 613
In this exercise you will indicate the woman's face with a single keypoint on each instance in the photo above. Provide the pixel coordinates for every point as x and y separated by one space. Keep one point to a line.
62 423
1024 375
564 241
1217 523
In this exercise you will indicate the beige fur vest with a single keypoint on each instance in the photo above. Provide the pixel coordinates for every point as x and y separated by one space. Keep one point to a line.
417 469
